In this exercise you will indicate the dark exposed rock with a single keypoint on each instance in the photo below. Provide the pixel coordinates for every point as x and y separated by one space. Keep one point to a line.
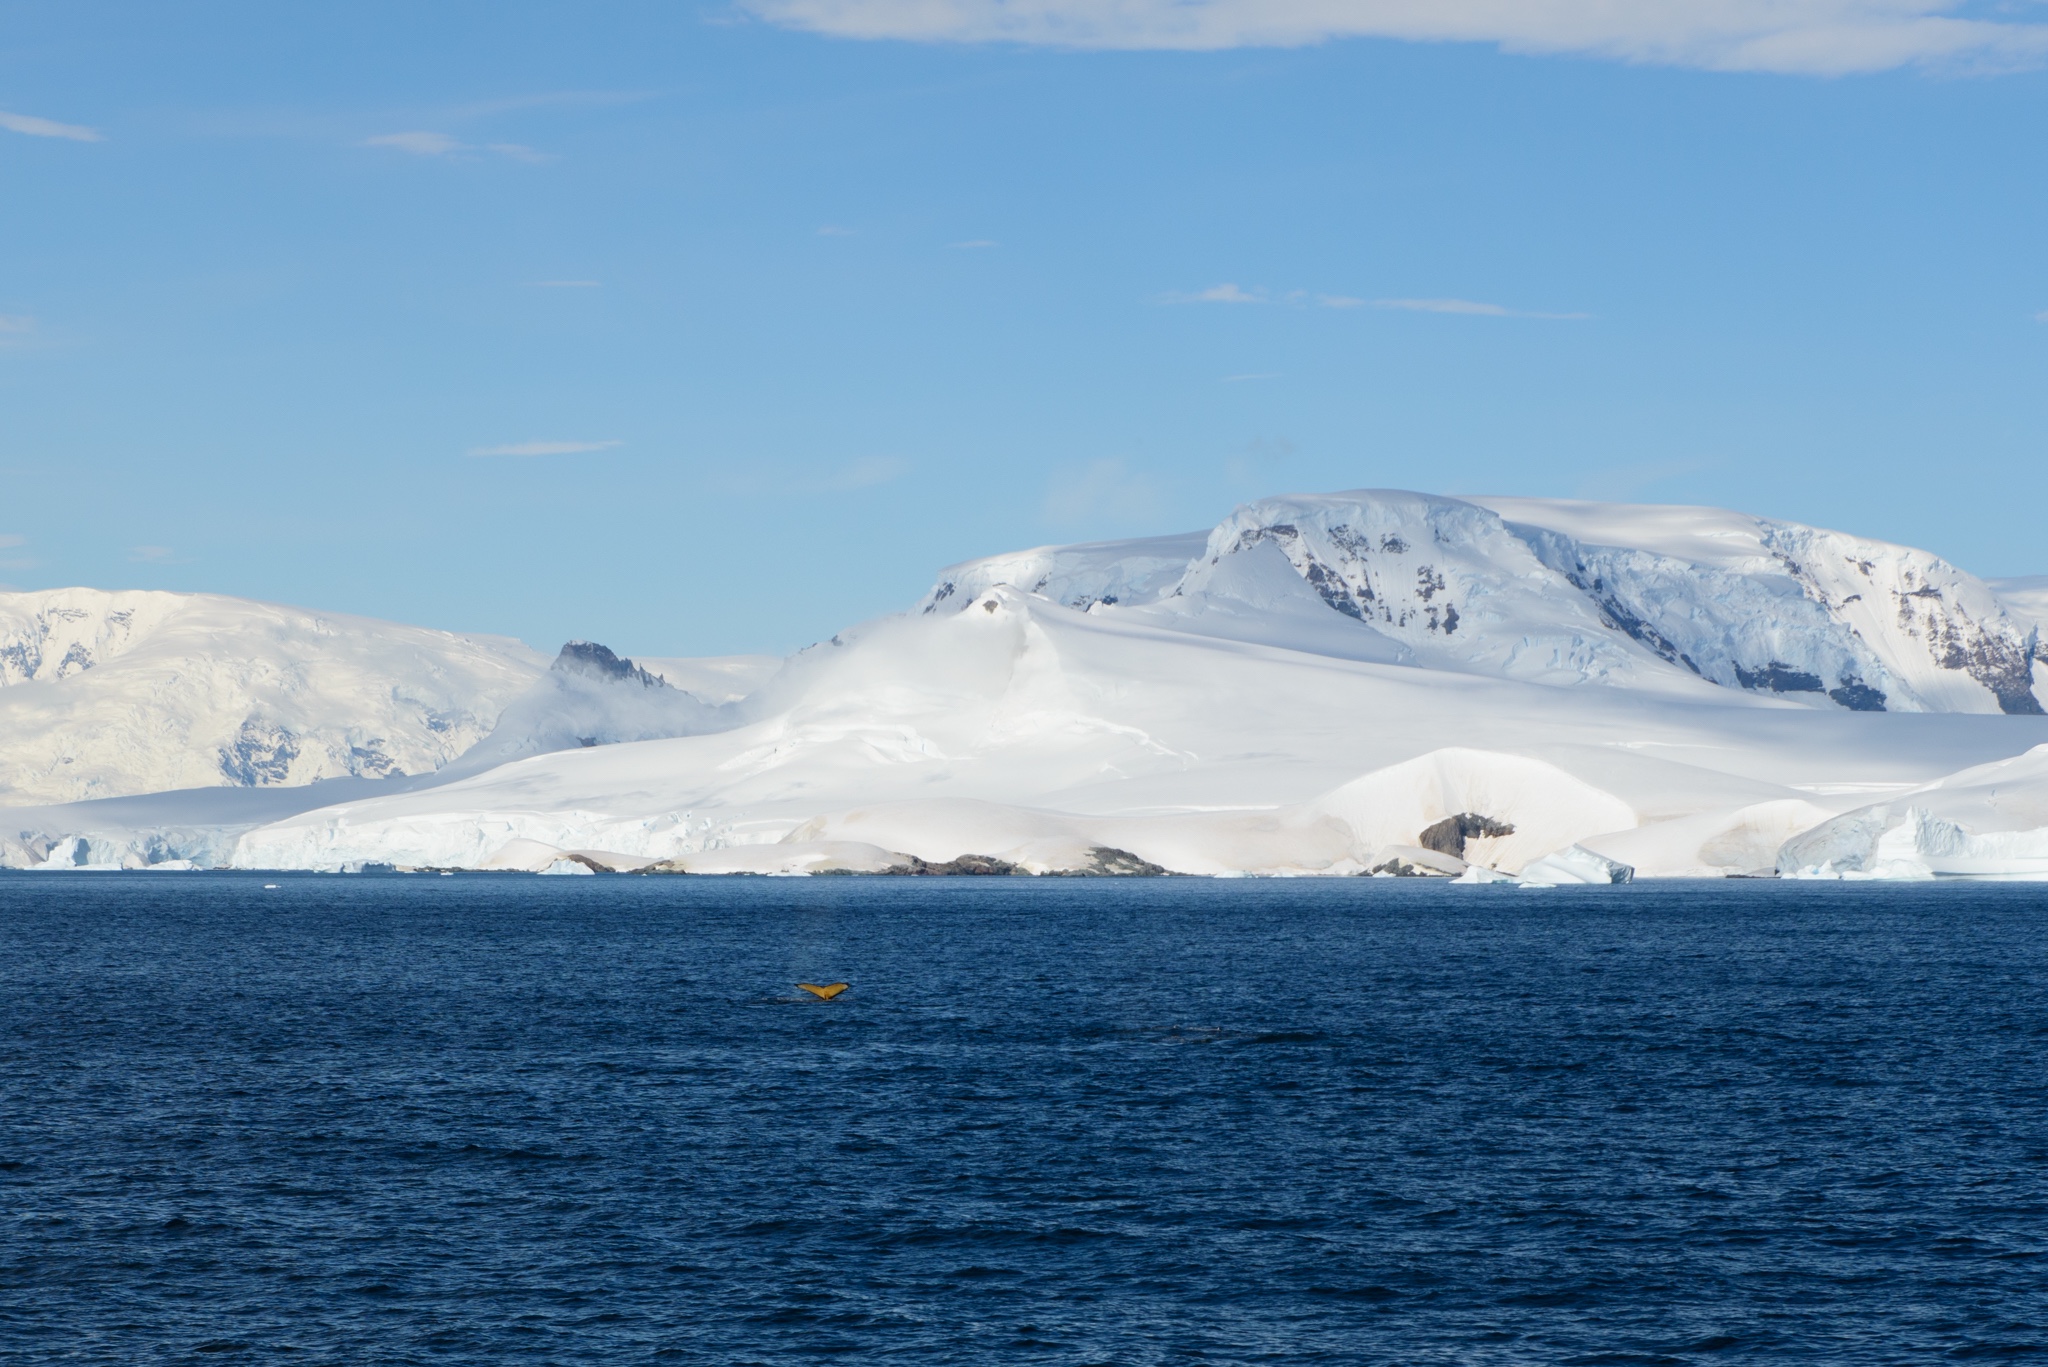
1857 696
1402 868
261 755
1107 861
966 864
368 760
1780 678
1449 835
597 662
2007 670
1333 590
1998 659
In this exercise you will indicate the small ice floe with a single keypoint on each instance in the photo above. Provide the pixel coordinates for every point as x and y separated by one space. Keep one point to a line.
1477 874
1575 864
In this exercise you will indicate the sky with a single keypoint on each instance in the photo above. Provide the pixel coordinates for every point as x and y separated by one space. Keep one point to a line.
704 328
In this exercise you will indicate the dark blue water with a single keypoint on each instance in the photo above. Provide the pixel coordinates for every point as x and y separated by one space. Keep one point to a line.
507 1120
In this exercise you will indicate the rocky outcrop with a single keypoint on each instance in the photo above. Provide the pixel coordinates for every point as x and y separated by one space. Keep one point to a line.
594 661
1449 835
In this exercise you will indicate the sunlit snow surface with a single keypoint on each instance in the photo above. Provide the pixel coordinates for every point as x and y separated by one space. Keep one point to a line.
1308 688
112 694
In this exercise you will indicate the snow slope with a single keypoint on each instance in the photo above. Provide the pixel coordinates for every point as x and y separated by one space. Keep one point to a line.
1990 820
105 694
1754 603
1022 729
2025 597
1564 592
1373 680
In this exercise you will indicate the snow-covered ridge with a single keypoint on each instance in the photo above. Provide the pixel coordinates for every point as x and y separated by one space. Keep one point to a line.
1558 592
1361 683
104 694
2025 598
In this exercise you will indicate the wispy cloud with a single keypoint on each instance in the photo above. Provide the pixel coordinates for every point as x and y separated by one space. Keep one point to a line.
973 244
568 284
419 143
14 324
1101 487
519 151
1466 307
48 128
545 448
1793 37
866 473
834 230
1216 294
2042 316
755 478
12 541
152 555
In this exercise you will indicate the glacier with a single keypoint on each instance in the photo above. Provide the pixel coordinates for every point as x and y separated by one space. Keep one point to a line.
113 694
1375 681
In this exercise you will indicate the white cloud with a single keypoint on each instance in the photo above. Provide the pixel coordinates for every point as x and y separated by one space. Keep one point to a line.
1799 37
419 144
423 144
866 473
1217 294
9 540
519 152
152 555
2042 316
545 448
16 323
1464 306
48 128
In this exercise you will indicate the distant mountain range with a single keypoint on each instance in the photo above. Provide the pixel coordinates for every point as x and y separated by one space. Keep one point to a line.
1319 684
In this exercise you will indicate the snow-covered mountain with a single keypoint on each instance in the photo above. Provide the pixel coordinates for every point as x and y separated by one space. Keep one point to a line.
2025 597
1552 591
1333 684
105 694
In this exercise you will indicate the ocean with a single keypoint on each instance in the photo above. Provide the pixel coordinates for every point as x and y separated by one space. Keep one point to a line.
503 1119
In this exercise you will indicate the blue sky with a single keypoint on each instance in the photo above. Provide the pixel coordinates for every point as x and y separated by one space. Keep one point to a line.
698 328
